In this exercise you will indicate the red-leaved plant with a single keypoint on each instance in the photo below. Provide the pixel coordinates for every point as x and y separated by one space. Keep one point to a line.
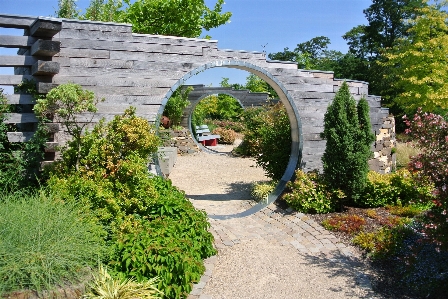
430 131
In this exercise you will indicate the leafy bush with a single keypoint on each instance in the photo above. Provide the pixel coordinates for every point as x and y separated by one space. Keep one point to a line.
65 103
347 131
216 107
384 242
45 242
104 286
393 188
309 194
20 162
228 136
237 126
176 104
267 138
430 132
349 224
260 191
169 243
154 229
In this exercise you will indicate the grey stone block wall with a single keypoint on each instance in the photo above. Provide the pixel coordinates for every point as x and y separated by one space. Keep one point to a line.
143 70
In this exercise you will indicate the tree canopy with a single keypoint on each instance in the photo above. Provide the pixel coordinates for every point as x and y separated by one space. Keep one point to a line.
186 18
419 63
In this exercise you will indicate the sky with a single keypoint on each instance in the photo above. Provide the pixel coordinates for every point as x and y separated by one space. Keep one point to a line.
256 25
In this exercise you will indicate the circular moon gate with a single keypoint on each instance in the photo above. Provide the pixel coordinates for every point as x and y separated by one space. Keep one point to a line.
294 119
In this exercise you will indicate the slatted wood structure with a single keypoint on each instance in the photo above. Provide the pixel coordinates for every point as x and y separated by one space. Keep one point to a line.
144 70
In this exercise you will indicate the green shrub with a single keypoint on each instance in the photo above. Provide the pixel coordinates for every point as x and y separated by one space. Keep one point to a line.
228 136
384 242
45 242
260 191
393 188
154 229
20 161
267 138
309 194
170 242
347 131
176 104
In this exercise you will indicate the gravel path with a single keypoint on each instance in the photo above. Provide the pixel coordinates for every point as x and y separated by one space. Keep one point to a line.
270 254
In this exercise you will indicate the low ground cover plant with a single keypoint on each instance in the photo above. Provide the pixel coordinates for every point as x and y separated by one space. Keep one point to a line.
46 242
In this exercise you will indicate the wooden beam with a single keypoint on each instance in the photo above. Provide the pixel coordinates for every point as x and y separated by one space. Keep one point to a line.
15 99
19 60
20 118
45 68
11 80
15 21
45 28
12 41
19 136
45 48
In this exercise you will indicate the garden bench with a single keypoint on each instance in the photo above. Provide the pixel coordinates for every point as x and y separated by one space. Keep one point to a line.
204 137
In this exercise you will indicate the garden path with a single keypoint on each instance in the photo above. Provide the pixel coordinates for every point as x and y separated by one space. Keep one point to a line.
272 253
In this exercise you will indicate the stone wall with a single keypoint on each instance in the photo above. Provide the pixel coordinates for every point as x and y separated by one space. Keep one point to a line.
384 158
144 70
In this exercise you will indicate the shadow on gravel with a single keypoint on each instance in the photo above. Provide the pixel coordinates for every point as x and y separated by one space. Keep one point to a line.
234 191
339 265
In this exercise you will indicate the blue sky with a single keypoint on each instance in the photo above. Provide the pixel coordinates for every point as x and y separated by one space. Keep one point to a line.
256 25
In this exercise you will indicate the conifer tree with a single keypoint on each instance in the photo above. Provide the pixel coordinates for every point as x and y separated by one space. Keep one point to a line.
348 136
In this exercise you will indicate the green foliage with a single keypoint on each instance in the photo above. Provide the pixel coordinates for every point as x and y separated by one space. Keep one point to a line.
170 243
20 161
390 189
176 104
308 193
154 230
419 64
112 176
186 18
64 103
384 242
104 286
348 134
267 138
261 190
349 224
221 107
228 136
67 9
409 211
45 242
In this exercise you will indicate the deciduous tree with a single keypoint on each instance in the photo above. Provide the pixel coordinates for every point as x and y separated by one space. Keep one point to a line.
419 63
187 18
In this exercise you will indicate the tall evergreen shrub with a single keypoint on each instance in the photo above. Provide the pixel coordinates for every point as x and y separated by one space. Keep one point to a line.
347 131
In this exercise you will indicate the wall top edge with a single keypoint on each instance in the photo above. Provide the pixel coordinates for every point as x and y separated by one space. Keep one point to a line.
281 61
212 41
95 22
241 51
317 71
350 80
19 16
